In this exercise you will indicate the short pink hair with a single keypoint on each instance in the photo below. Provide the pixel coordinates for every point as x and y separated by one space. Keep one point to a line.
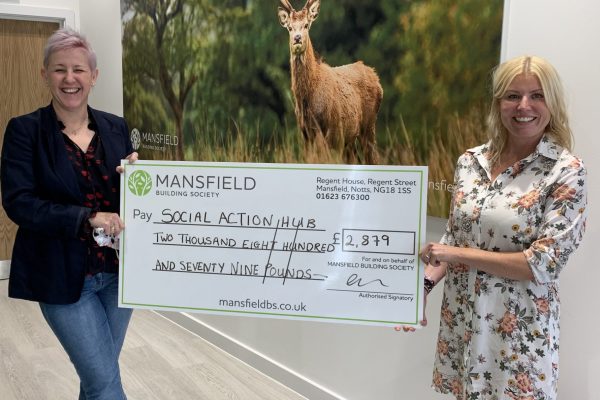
67 38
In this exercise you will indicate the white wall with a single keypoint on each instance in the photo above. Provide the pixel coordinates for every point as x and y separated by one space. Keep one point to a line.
48 8
100 21
364 363
567 33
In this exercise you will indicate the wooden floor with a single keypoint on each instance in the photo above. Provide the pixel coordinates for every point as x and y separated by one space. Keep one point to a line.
160 360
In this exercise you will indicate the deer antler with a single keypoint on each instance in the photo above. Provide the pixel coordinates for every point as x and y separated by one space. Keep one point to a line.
285 4
309 3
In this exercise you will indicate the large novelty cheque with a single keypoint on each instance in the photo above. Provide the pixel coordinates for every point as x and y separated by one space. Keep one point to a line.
316 242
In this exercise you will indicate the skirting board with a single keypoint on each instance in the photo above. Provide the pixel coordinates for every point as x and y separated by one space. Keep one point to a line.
4 269
271 368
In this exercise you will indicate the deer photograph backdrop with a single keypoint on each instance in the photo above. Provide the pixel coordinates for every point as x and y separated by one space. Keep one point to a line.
389 82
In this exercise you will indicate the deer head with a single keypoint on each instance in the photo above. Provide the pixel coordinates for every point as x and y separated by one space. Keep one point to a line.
298 23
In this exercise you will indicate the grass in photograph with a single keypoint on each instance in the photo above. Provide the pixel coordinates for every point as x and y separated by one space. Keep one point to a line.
397 146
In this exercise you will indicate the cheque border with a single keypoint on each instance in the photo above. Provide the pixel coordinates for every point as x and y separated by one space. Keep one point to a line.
419 171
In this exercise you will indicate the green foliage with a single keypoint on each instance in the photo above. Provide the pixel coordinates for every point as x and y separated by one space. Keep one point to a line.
226 77
448 51
247 82
433 57
165 39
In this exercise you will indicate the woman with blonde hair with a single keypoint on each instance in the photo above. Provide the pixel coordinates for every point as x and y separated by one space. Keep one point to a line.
518 213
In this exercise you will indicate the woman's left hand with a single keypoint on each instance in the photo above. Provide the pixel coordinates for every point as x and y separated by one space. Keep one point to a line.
133 157
423 322
435 254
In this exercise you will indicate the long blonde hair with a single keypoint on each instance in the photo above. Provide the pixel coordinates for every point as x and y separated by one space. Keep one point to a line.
558 126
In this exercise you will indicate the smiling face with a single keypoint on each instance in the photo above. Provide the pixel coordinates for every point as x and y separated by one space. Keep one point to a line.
523 109
69 79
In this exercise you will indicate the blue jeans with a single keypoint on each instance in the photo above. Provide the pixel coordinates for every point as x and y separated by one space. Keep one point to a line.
92 332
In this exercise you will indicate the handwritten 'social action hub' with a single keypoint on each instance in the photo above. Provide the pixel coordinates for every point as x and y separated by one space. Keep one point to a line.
330 243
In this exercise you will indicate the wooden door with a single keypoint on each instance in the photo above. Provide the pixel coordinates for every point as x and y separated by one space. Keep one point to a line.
22 89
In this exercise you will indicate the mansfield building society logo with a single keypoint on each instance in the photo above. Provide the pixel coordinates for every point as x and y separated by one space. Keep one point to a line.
151 141
136 139
139 183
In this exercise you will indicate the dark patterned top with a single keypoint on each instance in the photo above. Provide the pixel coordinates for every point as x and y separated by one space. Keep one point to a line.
98 194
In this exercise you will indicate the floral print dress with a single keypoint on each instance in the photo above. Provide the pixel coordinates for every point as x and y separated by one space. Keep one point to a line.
499 337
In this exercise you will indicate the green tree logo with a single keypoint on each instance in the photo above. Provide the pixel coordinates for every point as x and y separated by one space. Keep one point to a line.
140 183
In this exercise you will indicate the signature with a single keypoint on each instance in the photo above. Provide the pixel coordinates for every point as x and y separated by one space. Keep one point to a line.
355 280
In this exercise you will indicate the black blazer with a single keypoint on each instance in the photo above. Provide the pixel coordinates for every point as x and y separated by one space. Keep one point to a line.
41 195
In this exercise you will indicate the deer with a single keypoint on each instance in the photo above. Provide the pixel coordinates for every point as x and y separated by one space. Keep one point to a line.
339 103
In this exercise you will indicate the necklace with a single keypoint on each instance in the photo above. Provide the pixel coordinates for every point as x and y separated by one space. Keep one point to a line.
75 132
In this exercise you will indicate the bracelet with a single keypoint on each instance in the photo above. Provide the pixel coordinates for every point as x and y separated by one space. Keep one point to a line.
429 284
